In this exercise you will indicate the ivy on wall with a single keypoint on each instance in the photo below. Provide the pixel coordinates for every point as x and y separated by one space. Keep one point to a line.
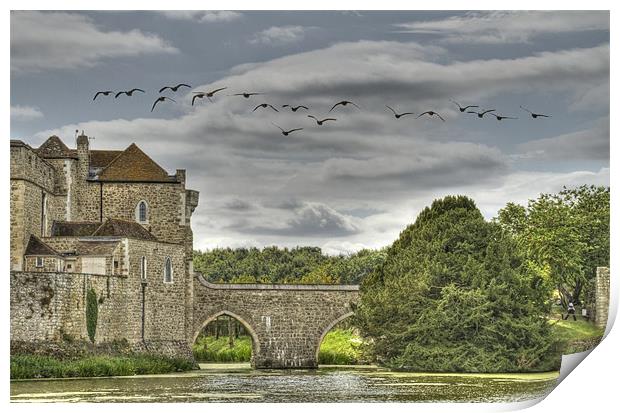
92 312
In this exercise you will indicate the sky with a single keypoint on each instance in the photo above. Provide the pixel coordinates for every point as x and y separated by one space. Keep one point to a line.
352 183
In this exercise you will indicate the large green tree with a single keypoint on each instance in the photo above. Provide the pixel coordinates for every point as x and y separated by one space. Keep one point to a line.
454 295
565 236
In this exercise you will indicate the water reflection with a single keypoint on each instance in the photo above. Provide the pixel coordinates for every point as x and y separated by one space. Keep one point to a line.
237 383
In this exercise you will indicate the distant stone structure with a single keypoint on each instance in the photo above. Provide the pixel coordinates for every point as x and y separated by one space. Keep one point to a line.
119 224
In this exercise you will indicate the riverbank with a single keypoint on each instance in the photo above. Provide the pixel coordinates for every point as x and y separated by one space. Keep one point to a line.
35 366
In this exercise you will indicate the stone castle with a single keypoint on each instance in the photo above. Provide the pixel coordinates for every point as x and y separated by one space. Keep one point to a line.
117 218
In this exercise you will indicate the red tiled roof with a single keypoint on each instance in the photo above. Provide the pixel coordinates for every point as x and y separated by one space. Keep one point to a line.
74 228
53 147
101 158
121 228
134 165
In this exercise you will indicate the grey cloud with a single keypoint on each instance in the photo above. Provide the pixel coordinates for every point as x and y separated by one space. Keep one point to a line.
202 16
508 26
311 220
52 40
279 35
588 144
237 204
25 113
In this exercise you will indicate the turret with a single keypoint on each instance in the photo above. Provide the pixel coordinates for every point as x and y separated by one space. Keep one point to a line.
83 157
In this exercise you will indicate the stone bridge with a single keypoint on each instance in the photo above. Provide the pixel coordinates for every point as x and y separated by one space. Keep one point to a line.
287 322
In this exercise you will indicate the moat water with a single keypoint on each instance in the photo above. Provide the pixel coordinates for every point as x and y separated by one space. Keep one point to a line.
238 383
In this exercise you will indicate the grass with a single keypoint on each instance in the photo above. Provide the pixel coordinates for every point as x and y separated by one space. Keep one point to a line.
207 348
574 336
339 347
35 366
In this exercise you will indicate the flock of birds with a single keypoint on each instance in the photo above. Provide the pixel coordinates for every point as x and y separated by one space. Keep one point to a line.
209 95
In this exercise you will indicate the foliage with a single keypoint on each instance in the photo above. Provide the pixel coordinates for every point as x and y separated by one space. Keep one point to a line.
454 295
341 347
92 313
210 349
305 265
35 366
565 236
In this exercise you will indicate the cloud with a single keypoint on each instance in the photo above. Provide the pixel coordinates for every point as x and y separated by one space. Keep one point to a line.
336 247
508 26
311 220
304 188
25 113
276 36
58 40
587 144
202 16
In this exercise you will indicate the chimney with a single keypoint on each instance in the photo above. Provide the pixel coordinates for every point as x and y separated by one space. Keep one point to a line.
83 155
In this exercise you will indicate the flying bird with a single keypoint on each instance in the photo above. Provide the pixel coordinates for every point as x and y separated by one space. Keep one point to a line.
481 114
398 115
128 92
246 94
431 113
208 95
286 132
320 122
344 103
161 99
535 115
295 108
499 117
174 88
265 105
104 93
464 108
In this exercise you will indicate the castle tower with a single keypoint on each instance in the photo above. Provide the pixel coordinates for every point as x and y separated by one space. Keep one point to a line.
83 155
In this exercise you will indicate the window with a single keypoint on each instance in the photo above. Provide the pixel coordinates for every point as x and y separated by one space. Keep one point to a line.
39 262
142 212
143 268
167 270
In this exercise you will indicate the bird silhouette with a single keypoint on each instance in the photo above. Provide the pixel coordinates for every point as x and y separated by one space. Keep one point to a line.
464 108
246 94
208 95
535 115
320 122
104 93
286 132
481 114
128 92
295 108
344 103
161 99
398 115
499 117
174 88
265 105
431 113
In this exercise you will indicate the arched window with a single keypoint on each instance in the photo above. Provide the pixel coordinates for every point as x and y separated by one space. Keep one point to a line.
167 270
143 268
142 212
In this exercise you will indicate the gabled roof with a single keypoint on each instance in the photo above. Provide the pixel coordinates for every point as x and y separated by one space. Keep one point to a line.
53 147
38 247
74 228
134 165
121 228
101 158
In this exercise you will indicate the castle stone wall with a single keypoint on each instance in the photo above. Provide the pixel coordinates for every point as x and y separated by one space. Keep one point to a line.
602 297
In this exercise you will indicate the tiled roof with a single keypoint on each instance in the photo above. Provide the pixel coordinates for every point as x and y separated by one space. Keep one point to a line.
96 247
134 165
74 229
53 147
120 228
101 159
38 247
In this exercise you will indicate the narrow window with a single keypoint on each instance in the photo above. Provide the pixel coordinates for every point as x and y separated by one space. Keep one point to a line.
143 268
142 211
167 270
39 262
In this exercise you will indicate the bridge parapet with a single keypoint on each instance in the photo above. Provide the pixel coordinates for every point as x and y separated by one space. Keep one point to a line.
287 322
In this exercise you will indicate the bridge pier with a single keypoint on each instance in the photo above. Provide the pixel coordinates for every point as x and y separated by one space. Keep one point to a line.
287 322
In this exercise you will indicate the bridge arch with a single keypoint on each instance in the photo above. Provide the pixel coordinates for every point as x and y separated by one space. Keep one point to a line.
248 327
328 329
